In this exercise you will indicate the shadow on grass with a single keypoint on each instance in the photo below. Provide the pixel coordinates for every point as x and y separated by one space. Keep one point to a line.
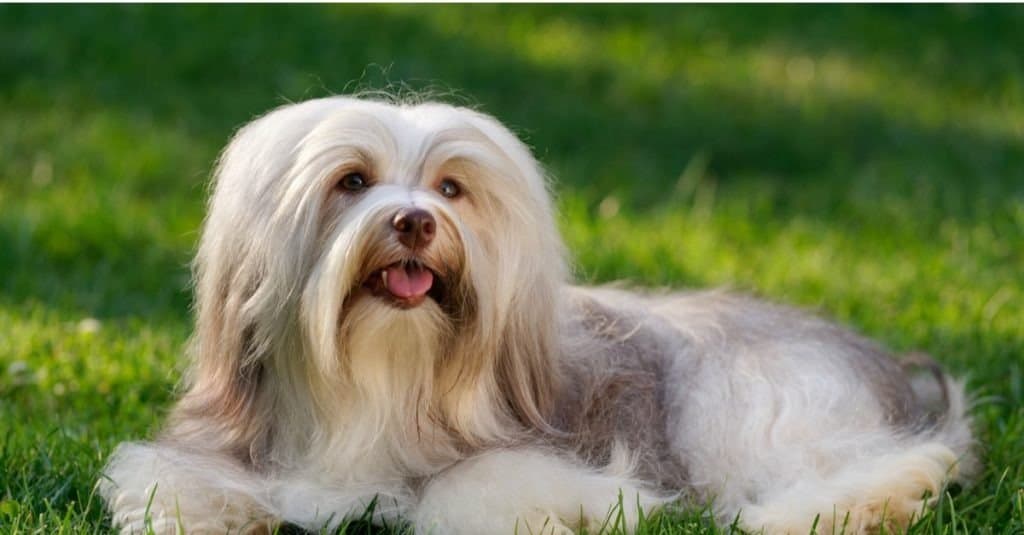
122 277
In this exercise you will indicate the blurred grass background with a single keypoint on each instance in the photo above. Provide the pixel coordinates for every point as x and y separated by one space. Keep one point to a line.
864 161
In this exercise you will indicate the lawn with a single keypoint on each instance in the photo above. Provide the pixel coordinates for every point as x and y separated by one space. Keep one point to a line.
864 162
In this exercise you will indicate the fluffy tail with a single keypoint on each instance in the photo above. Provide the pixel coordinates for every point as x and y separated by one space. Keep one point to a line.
946 411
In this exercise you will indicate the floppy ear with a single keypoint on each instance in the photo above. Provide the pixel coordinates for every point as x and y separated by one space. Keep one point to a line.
220 408
245 274
531 270
526 373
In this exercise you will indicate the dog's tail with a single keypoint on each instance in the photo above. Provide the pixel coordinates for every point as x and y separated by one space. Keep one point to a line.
945 408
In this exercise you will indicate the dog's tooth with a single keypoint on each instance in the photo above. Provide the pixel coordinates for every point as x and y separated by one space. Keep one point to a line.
384 277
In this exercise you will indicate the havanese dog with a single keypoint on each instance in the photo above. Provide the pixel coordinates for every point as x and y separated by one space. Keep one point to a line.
385 320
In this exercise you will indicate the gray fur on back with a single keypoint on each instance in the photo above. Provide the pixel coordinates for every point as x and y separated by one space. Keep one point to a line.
635 366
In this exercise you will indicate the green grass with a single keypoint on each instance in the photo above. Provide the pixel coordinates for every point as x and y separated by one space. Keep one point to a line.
867 162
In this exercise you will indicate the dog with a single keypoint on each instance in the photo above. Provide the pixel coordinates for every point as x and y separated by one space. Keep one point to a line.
385 326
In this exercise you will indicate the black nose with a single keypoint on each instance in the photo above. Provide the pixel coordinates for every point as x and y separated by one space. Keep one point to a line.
415 227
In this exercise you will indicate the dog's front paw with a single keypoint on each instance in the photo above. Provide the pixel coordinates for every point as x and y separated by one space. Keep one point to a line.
542 524
141 521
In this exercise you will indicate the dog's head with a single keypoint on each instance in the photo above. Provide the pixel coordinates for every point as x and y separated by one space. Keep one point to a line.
360 247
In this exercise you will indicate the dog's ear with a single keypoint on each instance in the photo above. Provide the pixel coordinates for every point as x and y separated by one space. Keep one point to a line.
525 370
220 406
530 271
222 386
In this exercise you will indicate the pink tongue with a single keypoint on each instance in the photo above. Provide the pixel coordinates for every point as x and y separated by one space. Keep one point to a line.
408 282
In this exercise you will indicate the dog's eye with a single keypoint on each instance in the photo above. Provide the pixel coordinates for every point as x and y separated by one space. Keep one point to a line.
449 188
353 182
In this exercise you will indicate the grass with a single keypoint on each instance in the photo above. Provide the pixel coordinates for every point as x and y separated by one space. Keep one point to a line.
864 161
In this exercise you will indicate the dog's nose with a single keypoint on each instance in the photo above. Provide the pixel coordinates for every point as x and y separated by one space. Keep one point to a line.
415 227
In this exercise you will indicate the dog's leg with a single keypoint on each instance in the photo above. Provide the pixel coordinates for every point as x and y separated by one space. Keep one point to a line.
886 491
323 505
168 490
529 491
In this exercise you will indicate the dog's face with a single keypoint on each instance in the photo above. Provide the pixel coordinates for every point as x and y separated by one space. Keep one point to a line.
374 247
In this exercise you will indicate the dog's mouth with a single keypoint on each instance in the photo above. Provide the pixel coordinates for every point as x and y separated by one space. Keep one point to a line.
406 284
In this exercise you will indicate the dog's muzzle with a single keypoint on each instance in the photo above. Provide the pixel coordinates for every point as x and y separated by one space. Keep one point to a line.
410 276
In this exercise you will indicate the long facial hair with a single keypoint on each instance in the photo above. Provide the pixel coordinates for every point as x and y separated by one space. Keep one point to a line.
293 365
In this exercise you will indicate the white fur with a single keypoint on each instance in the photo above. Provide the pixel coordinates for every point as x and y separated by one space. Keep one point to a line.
533 490
153 487
520 402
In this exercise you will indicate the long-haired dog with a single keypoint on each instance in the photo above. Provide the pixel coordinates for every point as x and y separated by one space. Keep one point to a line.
384 315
